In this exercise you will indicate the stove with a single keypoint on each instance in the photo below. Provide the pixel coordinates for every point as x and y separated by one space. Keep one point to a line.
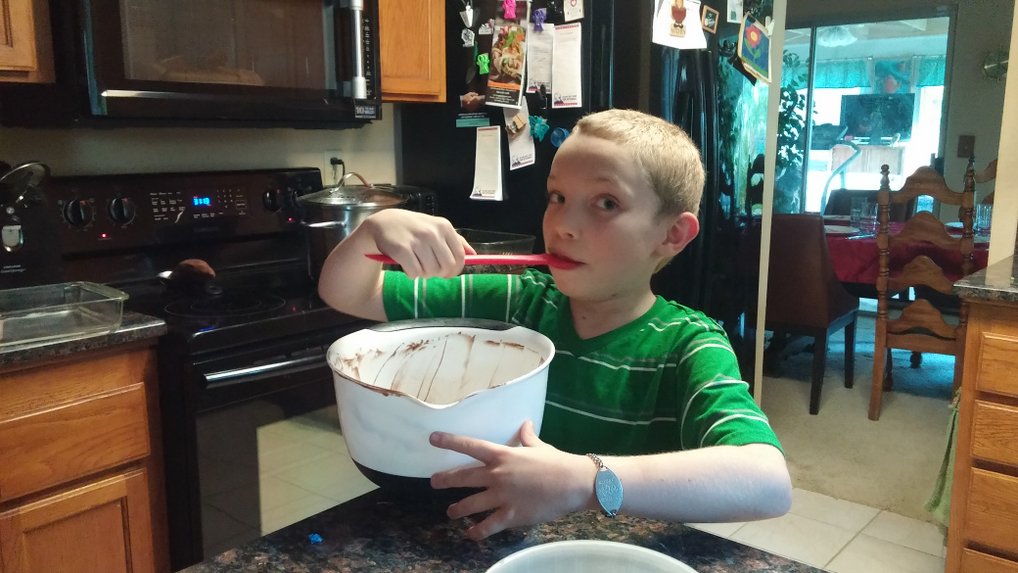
221 257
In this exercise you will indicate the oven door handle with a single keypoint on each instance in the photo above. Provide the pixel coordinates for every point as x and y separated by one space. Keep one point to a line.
241 375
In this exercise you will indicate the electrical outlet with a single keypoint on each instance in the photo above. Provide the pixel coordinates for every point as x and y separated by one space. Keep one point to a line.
331 173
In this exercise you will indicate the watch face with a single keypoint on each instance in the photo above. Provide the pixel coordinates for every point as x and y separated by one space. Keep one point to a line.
608 489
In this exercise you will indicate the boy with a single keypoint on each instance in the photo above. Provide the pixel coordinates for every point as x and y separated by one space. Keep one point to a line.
651 386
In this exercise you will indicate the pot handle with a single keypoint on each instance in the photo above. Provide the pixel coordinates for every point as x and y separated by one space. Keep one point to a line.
457 322
358 175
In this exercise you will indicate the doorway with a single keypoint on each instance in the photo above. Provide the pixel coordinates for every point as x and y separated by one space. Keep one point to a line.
875 91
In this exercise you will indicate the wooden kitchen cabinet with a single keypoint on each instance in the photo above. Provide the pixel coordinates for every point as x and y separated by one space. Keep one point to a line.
26 45
82 481
412 50
983 531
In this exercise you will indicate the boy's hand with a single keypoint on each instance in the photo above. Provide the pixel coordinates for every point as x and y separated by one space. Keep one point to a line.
423 245
523 485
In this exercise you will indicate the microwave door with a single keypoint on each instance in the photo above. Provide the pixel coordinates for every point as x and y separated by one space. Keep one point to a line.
270 61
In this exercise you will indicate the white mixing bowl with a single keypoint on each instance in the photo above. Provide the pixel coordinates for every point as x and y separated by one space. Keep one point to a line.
398 382
589 556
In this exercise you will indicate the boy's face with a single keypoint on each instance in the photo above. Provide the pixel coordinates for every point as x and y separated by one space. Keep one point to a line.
603 213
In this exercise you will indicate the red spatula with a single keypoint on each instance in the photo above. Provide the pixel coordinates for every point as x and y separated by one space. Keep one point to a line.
543 259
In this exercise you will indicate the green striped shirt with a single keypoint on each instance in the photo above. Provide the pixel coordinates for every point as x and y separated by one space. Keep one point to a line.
664 382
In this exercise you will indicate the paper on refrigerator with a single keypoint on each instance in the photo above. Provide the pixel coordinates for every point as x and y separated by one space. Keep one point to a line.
521 141
692 37
488 164
566 60
539 57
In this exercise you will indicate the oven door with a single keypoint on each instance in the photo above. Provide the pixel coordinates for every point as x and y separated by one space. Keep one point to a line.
282 60
253 443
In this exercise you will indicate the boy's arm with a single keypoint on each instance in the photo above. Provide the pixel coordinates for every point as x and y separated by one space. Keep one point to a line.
423 245
539 483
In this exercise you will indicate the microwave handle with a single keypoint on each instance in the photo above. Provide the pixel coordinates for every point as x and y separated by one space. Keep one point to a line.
358 83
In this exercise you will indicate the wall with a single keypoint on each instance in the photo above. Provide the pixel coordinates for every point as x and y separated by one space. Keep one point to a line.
368 150
1004 227
974 103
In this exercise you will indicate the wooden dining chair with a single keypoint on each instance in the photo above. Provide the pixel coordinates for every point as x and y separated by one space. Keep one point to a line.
906 260
804 296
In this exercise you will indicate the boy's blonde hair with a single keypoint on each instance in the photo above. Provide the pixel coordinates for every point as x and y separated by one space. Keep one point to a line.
668 156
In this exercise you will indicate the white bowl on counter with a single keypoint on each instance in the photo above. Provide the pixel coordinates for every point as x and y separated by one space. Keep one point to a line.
589 556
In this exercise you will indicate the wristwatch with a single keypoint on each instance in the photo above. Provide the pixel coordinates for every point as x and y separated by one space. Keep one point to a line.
607 488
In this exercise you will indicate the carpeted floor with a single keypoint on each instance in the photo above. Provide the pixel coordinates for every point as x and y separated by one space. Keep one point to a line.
890 464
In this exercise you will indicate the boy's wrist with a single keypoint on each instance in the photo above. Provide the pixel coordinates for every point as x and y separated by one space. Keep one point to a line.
607 488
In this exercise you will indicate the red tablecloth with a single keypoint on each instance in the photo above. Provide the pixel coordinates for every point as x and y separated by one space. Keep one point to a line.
855 258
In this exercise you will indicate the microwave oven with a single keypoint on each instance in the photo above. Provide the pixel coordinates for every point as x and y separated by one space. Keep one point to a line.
272 63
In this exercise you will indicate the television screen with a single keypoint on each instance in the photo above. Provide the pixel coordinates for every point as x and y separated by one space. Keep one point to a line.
877 117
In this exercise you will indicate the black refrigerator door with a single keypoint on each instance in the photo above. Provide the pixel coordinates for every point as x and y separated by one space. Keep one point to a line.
436 154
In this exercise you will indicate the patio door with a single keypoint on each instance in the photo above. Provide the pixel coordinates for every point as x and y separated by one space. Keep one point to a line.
875 95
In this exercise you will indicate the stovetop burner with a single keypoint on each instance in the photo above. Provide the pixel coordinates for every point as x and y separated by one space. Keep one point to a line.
229 305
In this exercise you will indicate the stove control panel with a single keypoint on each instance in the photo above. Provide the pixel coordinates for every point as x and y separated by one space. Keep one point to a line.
123 212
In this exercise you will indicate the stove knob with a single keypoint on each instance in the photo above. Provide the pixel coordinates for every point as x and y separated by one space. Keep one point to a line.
273 199
122 210
78 213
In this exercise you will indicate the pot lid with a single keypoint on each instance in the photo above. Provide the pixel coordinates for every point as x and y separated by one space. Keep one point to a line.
353 195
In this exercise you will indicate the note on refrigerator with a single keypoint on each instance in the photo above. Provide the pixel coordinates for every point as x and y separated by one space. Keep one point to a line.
566 60
521 141
684 34
488 164
539 58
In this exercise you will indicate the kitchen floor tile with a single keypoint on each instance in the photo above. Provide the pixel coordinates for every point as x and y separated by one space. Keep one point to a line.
275 456
334 476
831 510
866 554
290 513
719 529
224 475
249 504
918 535
801 538
219 528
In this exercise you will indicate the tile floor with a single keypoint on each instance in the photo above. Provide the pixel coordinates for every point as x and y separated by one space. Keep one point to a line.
828 533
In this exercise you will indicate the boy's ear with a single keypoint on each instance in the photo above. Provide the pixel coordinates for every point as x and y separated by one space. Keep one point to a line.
683 229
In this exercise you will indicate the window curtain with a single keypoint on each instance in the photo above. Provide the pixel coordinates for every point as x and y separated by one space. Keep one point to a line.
859 73
843 74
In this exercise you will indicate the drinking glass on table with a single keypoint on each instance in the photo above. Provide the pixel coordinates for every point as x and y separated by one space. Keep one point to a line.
856 212
984 214
868 223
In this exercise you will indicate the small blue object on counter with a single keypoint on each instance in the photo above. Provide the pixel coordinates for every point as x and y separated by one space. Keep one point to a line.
315 539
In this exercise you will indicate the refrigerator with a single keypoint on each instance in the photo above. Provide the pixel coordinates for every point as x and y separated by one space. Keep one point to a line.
701 90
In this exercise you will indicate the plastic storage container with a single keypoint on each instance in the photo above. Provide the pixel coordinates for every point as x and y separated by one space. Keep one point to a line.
58 311
497 243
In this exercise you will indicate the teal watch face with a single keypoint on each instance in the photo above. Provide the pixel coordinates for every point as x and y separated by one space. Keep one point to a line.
608 489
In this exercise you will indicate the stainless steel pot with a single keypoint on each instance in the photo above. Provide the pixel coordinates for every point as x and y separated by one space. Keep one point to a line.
331 214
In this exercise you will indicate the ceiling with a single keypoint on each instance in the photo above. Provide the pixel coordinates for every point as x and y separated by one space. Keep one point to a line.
889 39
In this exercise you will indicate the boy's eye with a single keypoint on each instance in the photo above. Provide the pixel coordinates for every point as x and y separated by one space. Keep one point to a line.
555 198
607 203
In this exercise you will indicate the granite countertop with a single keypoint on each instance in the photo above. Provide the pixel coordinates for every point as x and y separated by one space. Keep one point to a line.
133 327
377 532
994 283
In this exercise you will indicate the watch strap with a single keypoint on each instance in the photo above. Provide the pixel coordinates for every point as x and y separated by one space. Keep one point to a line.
607 488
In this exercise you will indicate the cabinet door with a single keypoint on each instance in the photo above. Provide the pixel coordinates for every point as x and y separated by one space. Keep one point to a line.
412 50
17 35
26 45
104 526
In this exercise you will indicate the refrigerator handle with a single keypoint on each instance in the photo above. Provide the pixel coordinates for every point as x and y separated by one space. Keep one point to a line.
602 62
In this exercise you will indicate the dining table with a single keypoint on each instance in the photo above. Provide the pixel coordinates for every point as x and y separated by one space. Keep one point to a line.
856 259
391 532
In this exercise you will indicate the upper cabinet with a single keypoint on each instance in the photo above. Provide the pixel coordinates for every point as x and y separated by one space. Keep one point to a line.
26 53
412 50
